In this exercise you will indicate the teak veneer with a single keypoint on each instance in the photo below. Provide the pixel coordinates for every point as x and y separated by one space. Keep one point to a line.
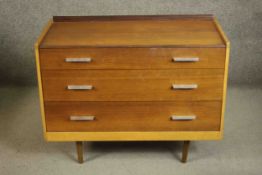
132 78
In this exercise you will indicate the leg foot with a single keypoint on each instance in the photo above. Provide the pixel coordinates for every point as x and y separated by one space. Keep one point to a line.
185 151
79 147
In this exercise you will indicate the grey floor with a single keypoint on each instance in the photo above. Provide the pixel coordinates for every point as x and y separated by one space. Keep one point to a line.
23 150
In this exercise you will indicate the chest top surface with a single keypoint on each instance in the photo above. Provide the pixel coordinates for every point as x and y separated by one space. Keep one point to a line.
133 31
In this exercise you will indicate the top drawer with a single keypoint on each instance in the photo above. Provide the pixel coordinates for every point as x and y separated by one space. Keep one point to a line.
132 58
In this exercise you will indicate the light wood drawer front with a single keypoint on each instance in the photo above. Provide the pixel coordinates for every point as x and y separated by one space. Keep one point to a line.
132 85
132 116
132 58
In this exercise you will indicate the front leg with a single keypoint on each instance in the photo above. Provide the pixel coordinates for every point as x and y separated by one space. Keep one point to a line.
79 147
185 151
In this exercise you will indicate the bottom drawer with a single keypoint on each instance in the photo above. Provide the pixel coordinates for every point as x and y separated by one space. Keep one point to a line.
132 116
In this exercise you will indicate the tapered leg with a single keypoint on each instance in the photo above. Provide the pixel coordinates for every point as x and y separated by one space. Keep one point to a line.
79 147
185 151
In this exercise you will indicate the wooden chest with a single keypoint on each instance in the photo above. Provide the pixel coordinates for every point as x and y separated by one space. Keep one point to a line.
132 78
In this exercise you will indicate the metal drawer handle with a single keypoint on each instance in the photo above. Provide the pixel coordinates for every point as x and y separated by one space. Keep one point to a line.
80 87
183 117
78 60
184 86
189 59
82 118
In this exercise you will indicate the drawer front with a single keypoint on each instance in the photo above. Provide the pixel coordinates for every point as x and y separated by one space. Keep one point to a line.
132 58
133 85
132 116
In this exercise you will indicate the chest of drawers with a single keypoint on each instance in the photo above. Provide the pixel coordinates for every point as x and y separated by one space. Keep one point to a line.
132 78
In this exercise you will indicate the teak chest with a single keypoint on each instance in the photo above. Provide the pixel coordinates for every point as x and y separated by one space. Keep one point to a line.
132 78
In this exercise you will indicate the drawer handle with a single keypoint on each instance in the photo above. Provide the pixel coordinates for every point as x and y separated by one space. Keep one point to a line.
184 86
80 87
78 60
183 117
189 59
82 118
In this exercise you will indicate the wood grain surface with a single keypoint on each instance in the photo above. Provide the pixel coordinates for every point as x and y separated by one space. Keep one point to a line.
128 33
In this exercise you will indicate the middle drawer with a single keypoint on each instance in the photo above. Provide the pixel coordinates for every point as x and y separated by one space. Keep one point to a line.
132 85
